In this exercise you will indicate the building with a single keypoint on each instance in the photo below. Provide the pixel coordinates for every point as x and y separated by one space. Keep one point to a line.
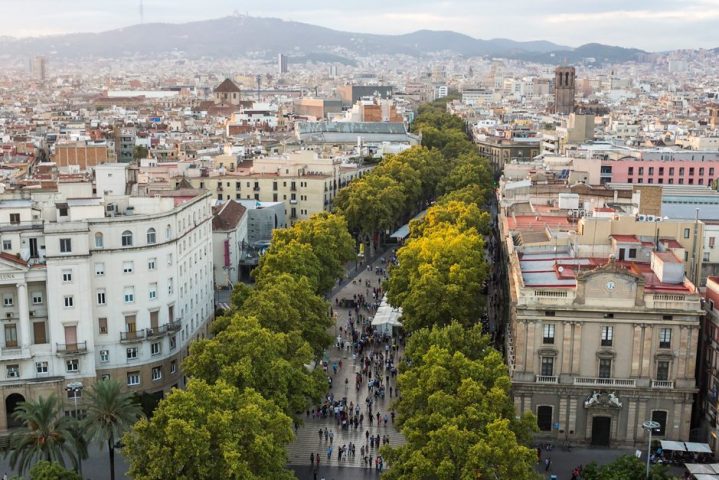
350 94
38 68
125 144
580 128
281 64
604 326
229 241
374 134
564 90
502 150
709 363
227 93
317 108
113 287
83 154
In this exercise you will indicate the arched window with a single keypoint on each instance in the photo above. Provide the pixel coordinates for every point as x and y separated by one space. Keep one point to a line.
168 232
127 238
151 237
99 240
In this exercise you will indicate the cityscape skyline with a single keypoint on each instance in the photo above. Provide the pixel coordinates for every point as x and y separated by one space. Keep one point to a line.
639 24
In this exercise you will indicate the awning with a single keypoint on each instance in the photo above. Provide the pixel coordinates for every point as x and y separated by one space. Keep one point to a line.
672 445
703 476
698 447
403 231
386 316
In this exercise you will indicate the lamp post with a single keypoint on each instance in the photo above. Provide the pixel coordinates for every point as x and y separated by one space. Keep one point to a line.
75 387
650 425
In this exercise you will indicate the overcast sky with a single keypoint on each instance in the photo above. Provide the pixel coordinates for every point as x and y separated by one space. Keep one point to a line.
648 24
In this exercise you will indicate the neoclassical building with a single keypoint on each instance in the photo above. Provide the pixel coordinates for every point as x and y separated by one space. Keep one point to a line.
597 345
113 286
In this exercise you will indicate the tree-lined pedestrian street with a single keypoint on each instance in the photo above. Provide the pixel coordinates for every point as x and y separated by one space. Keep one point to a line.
348 362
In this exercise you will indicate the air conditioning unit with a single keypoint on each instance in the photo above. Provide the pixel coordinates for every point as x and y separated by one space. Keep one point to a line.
32 313
8 315
642 218
650 218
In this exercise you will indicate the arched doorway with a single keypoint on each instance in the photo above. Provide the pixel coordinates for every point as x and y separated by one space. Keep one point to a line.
11 403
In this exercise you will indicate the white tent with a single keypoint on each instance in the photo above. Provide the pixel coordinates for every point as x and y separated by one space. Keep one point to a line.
672 445
698 447
387 317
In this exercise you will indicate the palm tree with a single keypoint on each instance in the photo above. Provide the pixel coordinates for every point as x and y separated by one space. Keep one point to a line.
110 413
48 435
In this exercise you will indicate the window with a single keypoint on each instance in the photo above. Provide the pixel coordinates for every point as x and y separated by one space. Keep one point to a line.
168 232
69 301
156 373
663 370
65 245
101 296
99 269
605 368
133 378
549 313
128 295
72 365
169 286
13 371
548 333
39 332
547 366
155 348
67 276
173 342
660 416
671 170
665 338
681 171
169 259
41 367
14 218
151 263
687 232
7 299
632 253
544 418
104 356
127 238
151 236
99 240
132 353
128 267
152 292
607 336
7 244
102 325
173 367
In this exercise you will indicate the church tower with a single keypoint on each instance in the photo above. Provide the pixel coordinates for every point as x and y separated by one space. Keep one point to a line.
564 88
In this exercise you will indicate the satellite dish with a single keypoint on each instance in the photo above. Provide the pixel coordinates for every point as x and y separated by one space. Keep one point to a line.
560 269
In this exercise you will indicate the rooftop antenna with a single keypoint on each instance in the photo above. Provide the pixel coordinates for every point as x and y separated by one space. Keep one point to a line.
142 13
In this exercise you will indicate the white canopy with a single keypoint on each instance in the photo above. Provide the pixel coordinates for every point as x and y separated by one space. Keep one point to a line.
386 316
704 476
672 445
698 447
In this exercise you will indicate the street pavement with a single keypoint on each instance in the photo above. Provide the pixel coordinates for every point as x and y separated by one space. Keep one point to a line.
307 440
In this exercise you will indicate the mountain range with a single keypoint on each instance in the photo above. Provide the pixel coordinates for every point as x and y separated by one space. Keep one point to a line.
243 35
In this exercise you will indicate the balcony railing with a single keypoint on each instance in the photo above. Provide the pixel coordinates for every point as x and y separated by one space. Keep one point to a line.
547 379
605 382
163 329
173 326
668 384
134 336
71 348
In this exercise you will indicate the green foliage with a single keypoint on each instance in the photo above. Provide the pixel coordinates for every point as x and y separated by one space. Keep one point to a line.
248 355
295 258
456 412
139 152
208 432
45 470
439 278
464 216
110 413
328 238
469 169
48 434
626 467
371 204
288 304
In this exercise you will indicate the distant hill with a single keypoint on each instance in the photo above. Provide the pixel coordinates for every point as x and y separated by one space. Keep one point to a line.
591 51
242 35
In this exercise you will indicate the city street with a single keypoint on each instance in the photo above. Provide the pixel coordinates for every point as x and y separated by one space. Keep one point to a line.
308 441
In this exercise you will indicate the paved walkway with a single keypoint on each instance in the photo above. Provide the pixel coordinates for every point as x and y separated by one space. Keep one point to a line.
307 440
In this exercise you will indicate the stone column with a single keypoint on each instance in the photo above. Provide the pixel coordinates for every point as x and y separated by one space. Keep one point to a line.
647 352
577 350
529 356
681 352
637 351
631 420
25 327
566 349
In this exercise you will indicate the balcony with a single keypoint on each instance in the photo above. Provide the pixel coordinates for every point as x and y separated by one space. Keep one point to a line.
173 326
71 348
163 330
605 382
547 379
663 384
134 336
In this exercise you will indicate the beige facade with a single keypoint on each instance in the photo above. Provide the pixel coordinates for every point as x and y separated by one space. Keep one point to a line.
597 345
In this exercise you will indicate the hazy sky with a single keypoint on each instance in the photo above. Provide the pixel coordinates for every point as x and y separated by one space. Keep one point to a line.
648 24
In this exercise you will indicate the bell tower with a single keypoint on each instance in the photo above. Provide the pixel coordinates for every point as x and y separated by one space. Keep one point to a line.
564 89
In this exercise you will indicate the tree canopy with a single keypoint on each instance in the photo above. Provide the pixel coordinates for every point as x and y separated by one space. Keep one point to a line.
208 432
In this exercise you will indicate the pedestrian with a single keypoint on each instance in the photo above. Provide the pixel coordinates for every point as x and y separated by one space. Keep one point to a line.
329 453
366 435
317 459
312 458
547 463
320 434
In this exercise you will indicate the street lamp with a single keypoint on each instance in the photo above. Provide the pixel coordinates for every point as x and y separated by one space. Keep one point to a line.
650 425
75 387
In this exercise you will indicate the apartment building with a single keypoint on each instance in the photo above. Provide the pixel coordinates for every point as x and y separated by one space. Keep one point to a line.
113 287
604 327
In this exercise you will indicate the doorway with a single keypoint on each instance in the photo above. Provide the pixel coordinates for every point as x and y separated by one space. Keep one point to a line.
601 428
11 403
